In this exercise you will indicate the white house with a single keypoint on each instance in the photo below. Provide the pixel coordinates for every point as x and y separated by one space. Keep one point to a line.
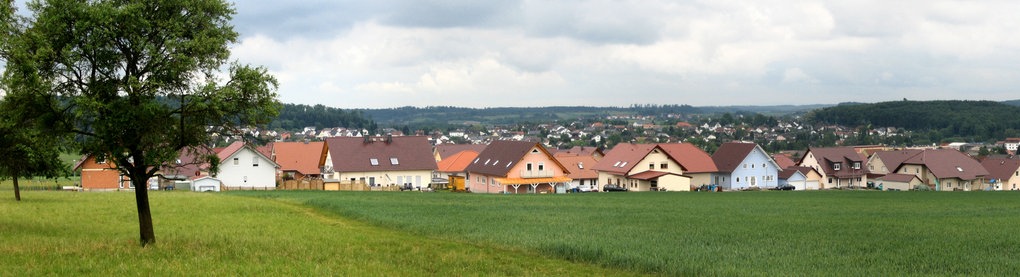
243 167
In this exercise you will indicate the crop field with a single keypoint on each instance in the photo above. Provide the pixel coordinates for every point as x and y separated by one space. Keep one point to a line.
55 233
822 233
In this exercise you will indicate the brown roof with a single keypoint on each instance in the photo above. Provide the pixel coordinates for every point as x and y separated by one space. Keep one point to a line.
623 157
581 167
788 172
827 156
501 155
457 162
948 163
302 157
447 150
730 154
358 154
1001 168
893 159
896 177
690 157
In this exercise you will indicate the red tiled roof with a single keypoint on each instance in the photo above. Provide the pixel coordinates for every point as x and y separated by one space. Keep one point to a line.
226 152
784 161
356 154
788 172
623 157
580 151
447 150
690 157
457 162
302 157
948 163
581 167
729 155
1001 168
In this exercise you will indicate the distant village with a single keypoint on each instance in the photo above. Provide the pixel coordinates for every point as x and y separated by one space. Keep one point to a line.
616 153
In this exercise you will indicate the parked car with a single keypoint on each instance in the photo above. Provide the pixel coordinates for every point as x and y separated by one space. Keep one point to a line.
585 188
609 188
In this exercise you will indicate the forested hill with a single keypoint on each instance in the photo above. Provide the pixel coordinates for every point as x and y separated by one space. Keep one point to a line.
975 119
1012 102
440 115
297 117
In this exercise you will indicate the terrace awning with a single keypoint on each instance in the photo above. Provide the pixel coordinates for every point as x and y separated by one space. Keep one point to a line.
528 181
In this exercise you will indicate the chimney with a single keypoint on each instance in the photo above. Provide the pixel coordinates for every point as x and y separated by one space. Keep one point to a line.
389 138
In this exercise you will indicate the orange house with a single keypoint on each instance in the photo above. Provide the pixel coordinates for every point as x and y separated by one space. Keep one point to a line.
516 167
100 175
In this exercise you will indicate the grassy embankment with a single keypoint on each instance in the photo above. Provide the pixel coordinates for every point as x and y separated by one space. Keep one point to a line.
861 233
201 234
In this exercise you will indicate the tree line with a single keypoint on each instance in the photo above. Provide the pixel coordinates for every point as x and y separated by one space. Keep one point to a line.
975 120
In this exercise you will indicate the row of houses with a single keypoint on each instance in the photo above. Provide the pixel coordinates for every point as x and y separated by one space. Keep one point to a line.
506 166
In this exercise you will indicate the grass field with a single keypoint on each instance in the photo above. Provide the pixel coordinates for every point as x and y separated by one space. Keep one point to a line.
203 234
861 233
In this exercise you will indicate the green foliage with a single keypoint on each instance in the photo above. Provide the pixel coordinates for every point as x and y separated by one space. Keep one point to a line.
979 120
210 234
135 81
297 117
814 233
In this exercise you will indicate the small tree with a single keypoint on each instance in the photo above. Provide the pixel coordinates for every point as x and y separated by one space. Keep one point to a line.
135 81
24 151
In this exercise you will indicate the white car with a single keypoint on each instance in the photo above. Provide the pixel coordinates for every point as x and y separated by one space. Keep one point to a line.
585 188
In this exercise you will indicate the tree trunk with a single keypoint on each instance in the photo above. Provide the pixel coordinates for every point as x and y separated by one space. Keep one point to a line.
144 215
17 190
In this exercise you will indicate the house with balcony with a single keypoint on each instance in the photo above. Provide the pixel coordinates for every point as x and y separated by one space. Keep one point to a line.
516 167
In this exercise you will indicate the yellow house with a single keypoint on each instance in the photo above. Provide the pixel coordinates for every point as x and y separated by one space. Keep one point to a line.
380 161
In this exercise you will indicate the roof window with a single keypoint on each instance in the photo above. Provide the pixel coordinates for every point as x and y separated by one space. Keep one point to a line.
374 161
394 161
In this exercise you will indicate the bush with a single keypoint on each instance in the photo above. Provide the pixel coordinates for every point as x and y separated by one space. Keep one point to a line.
922 187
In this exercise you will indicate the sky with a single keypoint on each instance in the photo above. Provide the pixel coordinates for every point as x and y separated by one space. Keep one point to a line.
499 53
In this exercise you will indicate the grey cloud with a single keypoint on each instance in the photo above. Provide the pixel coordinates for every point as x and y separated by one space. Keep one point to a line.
451 13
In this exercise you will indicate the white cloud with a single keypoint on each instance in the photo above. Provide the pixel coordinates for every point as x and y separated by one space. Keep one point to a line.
537 53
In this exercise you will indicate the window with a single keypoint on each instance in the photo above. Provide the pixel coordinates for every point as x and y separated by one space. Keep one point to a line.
237 161
959 169
651 166
836 166
663 165
752 165
100 160
534 151
830 180
762 165
745 165
857 165
374 161
738 179
394 161
255 161
580 165
623 164
529 167
541 166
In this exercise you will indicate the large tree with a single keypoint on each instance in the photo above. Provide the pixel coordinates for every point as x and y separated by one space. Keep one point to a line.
136 81
25 152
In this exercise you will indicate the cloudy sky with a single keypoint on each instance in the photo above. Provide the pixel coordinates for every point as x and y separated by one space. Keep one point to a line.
495 53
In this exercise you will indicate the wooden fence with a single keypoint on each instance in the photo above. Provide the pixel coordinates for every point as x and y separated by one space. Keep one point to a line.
302 185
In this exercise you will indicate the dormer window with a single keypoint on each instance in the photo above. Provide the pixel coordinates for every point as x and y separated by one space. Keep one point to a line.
836 166
857 165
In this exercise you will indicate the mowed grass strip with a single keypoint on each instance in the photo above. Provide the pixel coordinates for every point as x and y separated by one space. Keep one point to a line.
202 234
821 233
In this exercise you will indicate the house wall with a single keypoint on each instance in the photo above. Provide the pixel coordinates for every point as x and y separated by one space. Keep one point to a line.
674 183
951 184
810 161
244 173
656 159
1013 183
606 178
699 179
417 178
101 176
876 165
756 170
536 159
887 185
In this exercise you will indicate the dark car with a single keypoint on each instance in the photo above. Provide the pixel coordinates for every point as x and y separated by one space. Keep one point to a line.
608 188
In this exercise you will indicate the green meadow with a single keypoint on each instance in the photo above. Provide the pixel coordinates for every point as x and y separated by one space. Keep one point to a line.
203 234
862 233
453 234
